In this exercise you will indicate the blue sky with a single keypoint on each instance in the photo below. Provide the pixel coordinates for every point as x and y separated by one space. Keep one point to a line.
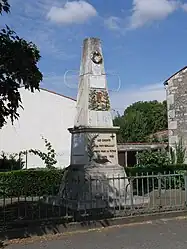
144 42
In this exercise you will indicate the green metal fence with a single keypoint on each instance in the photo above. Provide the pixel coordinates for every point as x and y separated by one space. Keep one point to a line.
145 193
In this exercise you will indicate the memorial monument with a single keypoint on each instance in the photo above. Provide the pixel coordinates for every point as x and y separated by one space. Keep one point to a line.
94 178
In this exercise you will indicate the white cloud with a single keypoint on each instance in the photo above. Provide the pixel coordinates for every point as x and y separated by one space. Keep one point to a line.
147 11
120 100
72 12
184 7
28 18
112 23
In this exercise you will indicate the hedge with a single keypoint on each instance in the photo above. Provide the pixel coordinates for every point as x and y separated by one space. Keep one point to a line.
47 182
155 169
30 182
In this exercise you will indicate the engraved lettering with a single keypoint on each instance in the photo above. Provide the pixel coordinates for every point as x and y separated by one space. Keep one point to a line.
108 145
106 140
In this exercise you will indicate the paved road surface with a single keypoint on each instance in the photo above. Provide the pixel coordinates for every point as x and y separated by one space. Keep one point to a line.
158 235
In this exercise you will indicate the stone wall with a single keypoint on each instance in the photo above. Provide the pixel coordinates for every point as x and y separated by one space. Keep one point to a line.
176 94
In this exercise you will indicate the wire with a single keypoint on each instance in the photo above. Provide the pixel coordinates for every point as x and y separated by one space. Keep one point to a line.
65 82
119 82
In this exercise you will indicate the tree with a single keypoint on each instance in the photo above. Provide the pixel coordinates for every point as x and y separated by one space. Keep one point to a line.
18 67
10 162
140 120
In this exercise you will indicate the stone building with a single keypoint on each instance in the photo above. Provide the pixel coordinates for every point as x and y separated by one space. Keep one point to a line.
176 95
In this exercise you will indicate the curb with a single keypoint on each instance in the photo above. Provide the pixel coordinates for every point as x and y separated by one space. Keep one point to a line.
52 230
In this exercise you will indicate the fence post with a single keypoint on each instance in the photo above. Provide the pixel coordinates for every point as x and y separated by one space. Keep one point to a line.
131 193
26 158
185 184
159 189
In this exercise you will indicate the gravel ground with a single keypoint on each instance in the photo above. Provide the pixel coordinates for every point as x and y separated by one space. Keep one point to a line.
163 234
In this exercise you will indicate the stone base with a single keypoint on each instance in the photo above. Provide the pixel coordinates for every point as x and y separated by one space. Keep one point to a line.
96 186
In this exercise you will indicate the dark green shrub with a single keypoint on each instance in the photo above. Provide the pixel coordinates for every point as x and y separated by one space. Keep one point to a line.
155 169
153 158
30 182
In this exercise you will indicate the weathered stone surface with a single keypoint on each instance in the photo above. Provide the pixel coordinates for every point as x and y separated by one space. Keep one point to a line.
176 91
94 116
93 103
94 179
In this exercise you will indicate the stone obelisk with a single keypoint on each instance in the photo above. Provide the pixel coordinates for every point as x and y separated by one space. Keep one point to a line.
94 177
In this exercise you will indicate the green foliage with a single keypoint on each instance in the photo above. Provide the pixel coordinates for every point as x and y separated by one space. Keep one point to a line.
161 158
49 158
91 145
4 6
140 120
30 182
143 170
11 162
153 158
177 155
154 162
18 63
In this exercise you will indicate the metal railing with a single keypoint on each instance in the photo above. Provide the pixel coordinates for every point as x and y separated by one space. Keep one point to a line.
96 198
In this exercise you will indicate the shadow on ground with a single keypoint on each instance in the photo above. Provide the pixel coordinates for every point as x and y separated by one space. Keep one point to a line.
25 219
28 218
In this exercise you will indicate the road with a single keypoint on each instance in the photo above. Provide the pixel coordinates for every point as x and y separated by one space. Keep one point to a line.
156 235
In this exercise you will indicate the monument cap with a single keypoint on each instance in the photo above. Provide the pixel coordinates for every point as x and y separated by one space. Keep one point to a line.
91 38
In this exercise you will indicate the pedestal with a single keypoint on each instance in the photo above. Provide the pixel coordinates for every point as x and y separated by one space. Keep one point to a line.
95 186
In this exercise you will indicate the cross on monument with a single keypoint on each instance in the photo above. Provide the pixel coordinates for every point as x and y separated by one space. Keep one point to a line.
112 136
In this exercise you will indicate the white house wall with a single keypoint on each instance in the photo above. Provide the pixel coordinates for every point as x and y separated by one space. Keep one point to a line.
45 114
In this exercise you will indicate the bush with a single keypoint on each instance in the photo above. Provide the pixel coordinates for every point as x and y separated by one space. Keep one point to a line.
153 158
155 169
145 185
30 182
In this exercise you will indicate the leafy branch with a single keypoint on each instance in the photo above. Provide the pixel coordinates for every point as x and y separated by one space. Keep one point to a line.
91 145
49 158
18 67
92 155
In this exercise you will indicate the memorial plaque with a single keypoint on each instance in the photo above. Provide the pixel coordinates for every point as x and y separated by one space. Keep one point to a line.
105 146
78 144
98 81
